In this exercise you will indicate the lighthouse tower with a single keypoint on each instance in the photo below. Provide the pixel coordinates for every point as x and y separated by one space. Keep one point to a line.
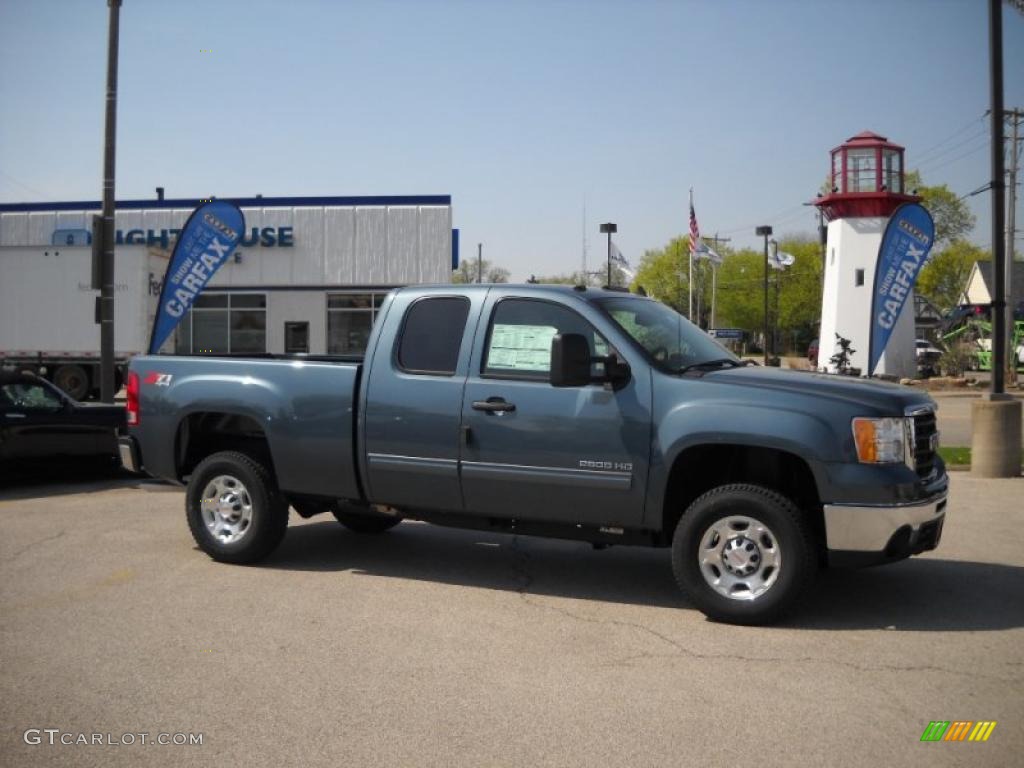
866 187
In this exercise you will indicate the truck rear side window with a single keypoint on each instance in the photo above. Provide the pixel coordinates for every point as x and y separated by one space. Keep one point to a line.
432 335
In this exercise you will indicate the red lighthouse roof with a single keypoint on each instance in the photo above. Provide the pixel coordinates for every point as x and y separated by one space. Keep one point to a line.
866 178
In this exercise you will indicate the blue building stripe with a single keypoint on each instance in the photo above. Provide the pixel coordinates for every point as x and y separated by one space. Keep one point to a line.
241 202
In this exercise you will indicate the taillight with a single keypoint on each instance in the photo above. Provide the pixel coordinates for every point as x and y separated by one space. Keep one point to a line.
132 392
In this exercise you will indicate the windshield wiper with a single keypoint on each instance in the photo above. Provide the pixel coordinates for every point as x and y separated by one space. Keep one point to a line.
716 363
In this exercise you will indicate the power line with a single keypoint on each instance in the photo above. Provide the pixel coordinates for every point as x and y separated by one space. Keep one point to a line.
924 159
953 135
958 157
26 187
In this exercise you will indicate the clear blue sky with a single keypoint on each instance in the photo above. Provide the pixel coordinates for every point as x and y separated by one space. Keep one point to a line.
519 110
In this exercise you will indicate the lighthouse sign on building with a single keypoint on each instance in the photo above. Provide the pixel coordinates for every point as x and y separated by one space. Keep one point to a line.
867 188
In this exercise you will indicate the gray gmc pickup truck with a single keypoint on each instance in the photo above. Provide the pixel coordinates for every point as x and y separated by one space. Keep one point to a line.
576 413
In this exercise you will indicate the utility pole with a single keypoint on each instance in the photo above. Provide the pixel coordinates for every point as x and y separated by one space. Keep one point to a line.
995 16
106 305
1015 116
996 416
479 262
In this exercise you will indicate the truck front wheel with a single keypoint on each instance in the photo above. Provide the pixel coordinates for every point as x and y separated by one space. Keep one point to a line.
744 554
234 509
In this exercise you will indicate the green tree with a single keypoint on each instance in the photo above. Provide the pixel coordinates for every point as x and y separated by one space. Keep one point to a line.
944 277
953 217
794 293
468 272
663 273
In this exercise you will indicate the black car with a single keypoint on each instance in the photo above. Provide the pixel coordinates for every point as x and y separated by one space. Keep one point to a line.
40 423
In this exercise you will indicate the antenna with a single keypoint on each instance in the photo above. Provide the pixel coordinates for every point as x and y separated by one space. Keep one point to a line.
583 274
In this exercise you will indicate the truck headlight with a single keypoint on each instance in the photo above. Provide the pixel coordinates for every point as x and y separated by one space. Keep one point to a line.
880 441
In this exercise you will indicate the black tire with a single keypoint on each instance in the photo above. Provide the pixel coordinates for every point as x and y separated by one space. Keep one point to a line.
269 510
359 521
73 379
791 538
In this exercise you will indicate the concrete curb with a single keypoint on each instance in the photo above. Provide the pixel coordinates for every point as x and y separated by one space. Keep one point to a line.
965 394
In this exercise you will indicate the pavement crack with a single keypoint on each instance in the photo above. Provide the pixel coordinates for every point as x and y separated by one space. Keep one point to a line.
33 545
681 651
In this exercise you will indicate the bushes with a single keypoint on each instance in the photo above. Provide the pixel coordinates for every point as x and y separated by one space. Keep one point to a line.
957 359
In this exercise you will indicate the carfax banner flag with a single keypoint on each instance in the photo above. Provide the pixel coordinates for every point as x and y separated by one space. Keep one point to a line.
206 241
908 238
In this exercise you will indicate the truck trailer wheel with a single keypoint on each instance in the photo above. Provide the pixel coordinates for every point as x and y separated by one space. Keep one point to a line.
359 521
73 379
234 509
744 554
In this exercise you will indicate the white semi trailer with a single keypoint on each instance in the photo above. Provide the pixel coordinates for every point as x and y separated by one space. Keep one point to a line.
47 313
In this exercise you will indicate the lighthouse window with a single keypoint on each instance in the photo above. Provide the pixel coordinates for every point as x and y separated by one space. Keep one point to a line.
892 170
858 277
860 170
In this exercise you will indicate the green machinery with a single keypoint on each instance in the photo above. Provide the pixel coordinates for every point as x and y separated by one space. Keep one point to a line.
978 333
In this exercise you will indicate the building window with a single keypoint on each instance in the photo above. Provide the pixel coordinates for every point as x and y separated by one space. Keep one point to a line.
432 335
350 317
858 277
224 324
860 170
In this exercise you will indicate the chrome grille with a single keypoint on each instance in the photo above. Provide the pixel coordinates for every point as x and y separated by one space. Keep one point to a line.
925 442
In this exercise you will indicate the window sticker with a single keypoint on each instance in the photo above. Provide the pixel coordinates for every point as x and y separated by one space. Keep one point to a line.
521 347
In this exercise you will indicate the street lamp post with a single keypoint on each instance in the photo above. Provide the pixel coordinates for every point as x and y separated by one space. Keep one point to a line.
765 232
609 229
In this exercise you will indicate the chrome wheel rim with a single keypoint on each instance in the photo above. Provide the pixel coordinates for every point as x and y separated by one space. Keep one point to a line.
739 557
226 507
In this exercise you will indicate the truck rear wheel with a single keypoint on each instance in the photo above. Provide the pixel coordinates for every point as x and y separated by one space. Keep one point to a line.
743 554
73 379
359 521
234 509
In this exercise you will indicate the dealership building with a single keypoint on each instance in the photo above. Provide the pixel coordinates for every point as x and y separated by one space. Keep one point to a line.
308 277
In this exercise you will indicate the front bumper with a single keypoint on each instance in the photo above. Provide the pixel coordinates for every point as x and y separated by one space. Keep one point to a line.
129 450
866 535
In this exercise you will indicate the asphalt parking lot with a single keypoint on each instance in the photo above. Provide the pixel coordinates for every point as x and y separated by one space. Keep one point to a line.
428 646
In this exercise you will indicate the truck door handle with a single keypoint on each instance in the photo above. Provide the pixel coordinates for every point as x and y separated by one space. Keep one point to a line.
493 405
15 415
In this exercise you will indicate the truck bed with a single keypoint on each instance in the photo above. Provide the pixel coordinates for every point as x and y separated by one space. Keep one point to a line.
310 429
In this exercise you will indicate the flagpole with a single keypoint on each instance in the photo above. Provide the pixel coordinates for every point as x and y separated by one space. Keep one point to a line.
690 278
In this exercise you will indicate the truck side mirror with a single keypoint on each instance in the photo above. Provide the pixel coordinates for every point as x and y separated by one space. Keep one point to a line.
570 360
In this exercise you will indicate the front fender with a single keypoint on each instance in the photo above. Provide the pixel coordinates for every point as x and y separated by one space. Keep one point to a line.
709 422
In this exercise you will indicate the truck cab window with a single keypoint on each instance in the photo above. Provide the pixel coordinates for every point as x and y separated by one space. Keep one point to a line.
519 339
432 335
29 396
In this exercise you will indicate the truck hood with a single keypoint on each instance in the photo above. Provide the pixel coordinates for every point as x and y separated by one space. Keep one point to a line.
873 394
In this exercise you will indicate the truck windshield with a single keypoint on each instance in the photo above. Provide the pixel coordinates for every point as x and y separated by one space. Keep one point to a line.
671 341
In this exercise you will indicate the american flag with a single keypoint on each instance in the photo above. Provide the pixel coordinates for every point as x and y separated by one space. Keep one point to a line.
694 229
